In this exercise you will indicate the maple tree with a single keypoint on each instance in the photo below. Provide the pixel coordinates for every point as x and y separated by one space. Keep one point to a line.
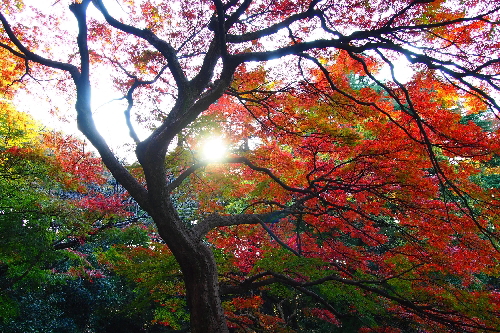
57 212
348 197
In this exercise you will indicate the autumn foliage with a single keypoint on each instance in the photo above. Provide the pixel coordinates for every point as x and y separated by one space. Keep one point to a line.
372 195
359 192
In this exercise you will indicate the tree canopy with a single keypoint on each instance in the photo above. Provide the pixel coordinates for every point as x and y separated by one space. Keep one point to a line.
350 198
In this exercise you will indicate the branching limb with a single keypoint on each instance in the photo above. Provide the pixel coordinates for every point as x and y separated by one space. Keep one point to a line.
27 54
159 44
461 204
236 160
425 311
84 113
272 277
130 100
274 28
237 14
401 12
11 50
220 31
277 239
215 220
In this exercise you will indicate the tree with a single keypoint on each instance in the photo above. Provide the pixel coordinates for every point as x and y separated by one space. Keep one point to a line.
367 178
58 214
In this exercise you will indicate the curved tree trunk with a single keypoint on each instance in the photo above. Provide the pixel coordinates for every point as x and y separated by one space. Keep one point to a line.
202 288
199 272
195 258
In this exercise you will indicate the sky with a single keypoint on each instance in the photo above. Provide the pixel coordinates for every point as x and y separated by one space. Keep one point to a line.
108 109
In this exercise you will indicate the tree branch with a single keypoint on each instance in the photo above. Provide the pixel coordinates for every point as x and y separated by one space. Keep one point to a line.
272 29
130 100
215 220
237 14
159 44
85 119
424 311
73 70
241 160
277 239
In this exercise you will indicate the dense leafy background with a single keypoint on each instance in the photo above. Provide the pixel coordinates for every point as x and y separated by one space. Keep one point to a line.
348 201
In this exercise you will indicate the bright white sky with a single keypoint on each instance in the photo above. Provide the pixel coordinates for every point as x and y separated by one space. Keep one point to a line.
108 112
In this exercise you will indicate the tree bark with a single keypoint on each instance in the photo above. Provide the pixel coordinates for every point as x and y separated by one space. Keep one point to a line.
198 266
199 272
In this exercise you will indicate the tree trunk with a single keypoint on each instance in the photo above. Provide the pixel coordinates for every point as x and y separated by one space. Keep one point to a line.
202 288
198 267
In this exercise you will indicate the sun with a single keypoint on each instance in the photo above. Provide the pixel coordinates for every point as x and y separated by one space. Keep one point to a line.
214 149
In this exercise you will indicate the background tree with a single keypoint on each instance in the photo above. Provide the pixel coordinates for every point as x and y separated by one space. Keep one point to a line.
58 213
367 179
